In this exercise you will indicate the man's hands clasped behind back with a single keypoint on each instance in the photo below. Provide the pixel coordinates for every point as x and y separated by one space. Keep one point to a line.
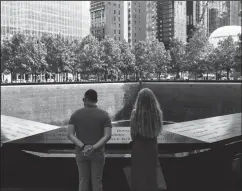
88 150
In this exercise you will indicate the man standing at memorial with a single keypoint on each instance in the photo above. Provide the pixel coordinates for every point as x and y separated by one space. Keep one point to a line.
89 129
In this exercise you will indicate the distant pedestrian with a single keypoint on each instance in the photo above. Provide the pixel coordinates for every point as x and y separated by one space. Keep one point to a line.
90 129
146 124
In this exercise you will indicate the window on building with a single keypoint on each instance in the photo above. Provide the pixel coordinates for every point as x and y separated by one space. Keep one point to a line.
135 22
114 31
135 40
139 10
119 38
119 18
118 25
119 5
115 38
119 32
103 31
129 41
114 11
119 12
134 34
114 18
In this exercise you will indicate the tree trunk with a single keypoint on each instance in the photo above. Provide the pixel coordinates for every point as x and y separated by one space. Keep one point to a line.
11 76
216 75
35 76
227 74
207 75
177 73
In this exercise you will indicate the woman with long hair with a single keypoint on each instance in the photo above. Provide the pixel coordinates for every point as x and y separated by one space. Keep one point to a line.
146 124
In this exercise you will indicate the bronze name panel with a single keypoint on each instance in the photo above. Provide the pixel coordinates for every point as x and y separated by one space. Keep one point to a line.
120 135
210 129
203 130
13 128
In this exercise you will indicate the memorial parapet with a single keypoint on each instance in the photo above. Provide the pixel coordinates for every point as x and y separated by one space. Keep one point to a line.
188 136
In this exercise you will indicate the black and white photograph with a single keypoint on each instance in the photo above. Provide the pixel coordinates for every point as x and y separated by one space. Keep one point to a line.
121 96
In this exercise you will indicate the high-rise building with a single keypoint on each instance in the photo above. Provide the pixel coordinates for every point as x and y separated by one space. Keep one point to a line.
224 13
141 21
234 8
108 19
197 13
132 21
171 21
180 22
68 18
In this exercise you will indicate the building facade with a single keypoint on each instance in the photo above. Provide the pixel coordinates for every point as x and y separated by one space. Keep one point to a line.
141 21
108 19
197 13
171 21
68 18
224 13
180 22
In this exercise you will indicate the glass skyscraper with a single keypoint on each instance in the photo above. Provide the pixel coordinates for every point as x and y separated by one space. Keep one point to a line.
71 19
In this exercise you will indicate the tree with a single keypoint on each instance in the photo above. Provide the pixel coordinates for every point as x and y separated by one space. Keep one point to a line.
159 57
5 55
194 49
13 54
227 48
127 59
35 58
141 52
177 54
76 63
110 56
238 55
67 58
90 56
57 53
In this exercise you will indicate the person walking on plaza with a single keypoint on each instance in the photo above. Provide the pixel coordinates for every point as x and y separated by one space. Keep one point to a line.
89 129
146 124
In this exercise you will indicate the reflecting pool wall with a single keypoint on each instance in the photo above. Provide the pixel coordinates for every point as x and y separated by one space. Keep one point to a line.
184 101
180 101
54 103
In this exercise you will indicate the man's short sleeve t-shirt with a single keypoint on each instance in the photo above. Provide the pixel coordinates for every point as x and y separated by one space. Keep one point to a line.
89 123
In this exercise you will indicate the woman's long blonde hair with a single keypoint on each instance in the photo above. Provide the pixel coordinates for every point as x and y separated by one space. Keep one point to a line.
146 118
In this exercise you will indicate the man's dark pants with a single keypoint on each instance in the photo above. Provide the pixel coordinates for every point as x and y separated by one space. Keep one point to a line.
90 167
